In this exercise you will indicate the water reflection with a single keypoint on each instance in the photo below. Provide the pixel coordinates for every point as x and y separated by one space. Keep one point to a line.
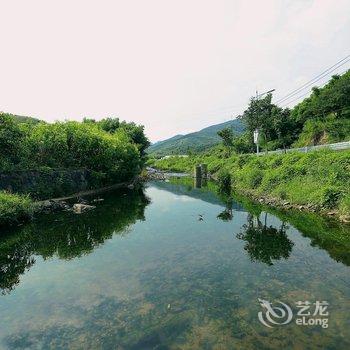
227 213
67 235
326 234
265 243
199 182
172 282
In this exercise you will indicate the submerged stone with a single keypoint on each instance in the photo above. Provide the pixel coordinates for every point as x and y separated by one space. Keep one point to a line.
79 208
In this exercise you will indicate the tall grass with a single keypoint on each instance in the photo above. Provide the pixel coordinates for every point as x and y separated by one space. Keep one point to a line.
320 178
14 208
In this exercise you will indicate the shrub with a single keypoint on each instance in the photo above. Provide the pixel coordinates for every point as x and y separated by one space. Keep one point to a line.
344 205
10 141
224 180
254 178
282 194
14 208
331 197
321 177
117 152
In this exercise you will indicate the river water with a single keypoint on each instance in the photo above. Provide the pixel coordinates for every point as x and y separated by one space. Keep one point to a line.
175 267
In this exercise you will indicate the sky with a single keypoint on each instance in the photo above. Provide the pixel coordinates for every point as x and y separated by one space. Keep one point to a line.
175 66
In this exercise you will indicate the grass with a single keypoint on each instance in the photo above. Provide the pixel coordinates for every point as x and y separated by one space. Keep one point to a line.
14 208
319 178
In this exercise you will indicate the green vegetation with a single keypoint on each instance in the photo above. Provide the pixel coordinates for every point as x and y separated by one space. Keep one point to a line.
56 235
194 142
328 130
23 119
265 243
323 117
14 208
320 179
112 151
116 153
224 181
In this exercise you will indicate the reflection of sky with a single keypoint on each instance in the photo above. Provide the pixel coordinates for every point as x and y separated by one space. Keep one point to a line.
172 258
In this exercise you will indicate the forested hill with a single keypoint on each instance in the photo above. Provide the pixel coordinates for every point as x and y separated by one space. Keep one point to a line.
195 141
23 119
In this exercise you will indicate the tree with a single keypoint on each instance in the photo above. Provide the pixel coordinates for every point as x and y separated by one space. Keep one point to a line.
11 138
243 143
110 125
227 138
334 98
258 115
135 132
137 135
284 127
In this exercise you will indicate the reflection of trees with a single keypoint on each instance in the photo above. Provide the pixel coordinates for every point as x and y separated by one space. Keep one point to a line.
227 214
265 243
14 261
68 235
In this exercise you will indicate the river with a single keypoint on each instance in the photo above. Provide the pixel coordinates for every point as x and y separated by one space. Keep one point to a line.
175 266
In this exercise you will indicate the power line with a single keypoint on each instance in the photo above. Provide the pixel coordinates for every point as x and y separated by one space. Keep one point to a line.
317 78
229 110
297 98
307 92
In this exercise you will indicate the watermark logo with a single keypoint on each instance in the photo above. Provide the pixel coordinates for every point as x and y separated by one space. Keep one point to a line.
274 315
308 314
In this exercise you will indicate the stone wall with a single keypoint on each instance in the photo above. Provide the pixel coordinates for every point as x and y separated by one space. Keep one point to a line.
48 183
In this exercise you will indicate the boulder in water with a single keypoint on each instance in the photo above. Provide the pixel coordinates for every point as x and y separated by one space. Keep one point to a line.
79 208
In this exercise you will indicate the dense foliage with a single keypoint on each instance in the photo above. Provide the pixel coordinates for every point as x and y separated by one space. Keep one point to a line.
14 208
321 118
111 151
112 148
133 131
318 178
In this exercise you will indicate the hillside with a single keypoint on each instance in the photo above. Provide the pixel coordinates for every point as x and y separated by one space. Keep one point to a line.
23 119
196 141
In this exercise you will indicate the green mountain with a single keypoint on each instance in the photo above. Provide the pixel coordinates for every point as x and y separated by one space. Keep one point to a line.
195 141
23 119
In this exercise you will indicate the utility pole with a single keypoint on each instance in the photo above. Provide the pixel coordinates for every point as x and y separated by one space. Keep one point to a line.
256 140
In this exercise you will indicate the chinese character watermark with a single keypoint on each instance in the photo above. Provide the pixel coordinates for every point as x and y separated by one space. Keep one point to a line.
308 314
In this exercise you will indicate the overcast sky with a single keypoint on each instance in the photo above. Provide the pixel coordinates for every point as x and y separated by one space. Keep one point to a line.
175 66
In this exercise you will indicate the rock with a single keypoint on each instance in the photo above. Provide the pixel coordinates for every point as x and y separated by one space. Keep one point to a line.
153 174
286 203
49 206
131 186
301 207
46 205
96 200
82 200
79 208
331 213
345 218
261 200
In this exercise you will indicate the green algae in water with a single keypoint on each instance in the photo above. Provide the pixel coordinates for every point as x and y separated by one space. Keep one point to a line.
142 271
